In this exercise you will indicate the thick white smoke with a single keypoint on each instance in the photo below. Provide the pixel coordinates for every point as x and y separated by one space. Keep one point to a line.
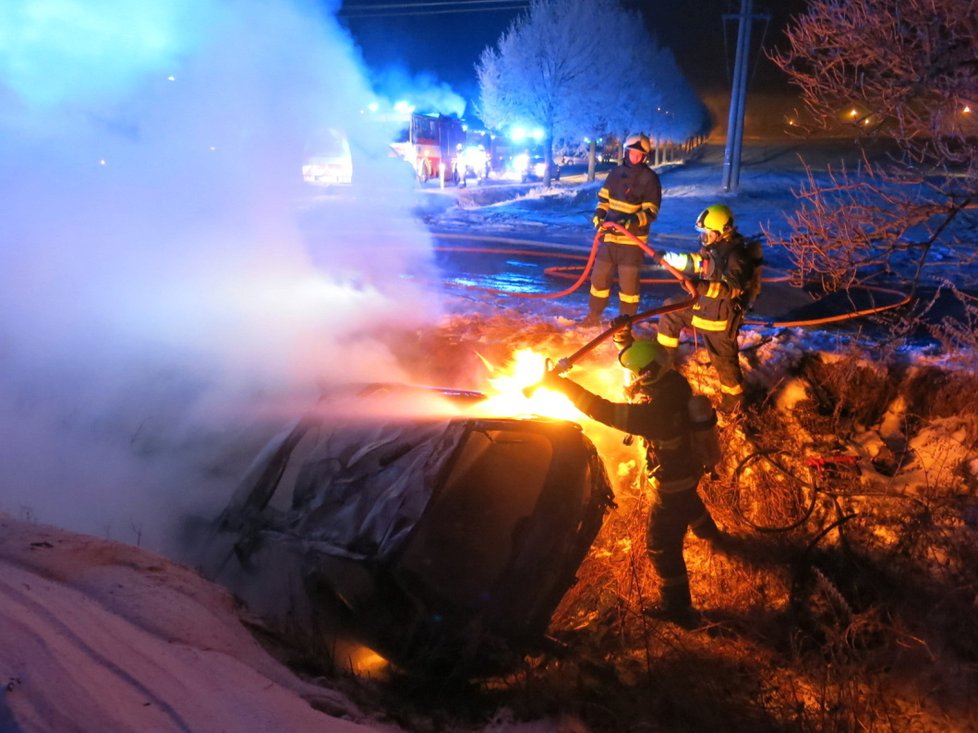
164 272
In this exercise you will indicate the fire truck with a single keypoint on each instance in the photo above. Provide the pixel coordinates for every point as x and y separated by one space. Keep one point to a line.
428 142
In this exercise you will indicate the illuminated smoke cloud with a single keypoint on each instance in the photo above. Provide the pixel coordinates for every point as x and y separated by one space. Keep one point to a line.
163 268
422 91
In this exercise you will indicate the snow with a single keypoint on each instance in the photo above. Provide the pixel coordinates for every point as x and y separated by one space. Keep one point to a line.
101 635
170 296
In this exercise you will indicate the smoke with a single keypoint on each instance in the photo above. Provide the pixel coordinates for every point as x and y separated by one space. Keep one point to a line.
166 278
422 90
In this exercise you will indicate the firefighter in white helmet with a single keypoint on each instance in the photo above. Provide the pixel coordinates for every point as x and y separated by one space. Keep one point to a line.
631 197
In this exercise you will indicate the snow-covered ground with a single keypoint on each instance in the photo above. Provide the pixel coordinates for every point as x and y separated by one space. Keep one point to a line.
97 635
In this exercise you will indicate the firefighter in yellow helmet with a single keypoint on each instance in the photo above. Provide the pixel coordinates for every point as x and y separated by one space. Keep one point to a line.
658 413
721 272
631 197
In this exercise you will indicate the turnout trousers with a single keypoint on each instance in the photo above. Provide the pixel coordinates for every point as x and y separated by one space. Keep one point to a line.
722 347
627 259
670 515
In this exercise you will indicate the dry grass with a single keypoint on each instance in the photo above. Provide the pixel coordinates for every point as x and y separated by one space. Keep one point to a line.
847 604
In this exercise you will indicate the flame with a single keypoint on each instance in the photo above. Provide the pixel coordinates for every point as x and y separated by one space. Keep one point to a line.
525 369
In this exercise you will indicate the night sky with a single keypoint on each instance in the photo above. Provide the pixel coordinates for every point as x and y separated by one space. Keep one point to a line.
444 39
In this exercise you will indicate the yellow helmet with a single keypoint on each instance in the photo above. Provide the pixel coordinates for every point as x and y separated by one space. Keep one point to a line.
716 218
638 142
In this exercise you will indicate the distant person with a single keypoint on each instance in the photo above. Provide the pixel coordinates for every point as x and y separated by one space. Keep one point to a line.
659 413
631 197
725 273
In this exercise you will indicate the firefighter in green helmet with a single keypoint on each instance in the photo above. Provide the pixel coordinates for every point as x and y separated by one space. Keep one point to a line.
658 413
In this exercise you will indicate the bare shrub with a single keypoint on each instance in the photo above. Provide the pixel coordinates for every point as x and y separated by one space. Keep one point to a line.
901 71
959 336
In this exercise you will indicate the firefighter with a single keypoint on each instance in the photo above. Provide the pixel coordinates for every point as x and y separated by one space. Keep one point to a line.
659 413
721 271
631 197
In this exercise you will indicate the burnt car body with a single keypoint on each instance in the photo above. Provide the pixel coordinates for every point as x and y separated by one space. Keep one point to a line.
443 544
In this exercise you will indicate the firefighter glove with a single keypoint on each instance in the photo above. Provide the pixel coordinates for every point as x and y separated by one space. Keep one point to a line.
619 322
675 259
623 338
552 379
628 221
597 220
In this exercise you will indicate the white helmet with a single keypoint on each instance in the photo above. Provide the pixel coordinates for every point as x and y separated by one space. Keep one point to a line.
640 142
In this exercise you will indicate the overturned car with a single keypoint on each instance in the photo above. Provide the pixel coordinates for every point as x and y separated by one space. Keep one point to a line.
443 543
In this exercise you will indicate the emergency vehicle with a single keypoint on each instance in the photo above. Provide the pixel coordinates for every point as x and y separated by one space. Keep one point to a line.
429 141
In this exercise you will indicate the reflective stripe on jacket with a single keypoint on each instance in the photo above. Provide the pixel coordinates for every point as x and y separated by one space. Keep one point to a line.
718 272
630 189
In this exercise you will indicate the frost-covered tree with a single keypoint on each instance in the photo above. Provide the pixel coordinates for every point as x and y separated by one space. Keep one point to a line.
905 71
625 88
575 67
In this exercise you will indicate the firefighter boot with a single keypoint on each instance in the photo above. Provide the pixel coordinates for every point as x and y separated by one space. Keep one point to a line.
596 307
627 309
676 607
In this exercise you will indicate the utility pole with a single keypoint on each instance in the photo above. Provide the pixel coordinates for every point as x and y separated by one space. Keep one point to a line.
738 96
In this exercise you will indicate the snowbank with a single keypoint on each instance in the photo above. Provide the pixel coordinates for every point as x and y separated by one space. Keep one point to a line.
100 636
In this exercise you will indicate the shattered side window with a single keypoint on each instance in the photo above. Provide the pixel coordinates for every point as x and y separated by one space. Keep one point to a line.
465 539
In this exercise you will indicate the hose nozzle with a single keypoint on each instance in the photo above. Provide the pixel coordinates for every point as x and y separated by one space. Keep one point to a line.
550 367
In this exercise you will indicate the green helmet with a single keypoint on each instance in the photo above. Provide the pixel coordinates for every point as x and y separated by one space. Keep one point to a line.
716 218
647 359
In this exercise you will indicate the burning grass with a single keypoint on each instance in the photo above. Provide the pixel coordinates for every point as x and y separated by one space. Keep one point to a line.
846 601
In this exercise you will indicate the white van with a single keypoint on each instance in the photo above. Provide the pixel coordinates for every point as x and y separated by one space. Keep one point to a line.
328 160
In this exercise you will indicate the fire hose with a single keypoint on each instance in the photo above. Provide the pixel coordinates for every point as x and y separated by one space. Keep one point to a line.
565 363
565 272
596 242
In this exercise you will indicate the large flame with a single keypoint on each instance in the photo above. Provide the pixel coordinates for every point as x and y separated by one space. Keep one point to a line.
512 397
514 393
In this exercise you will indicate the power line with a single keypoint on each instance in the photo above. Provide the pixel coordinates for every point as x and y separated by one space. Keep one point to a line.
430 8
396 6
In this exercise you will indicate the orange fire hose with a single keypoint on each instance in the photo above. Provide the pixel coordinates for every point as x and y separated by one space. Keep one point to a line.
903 300
596 242
562 271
